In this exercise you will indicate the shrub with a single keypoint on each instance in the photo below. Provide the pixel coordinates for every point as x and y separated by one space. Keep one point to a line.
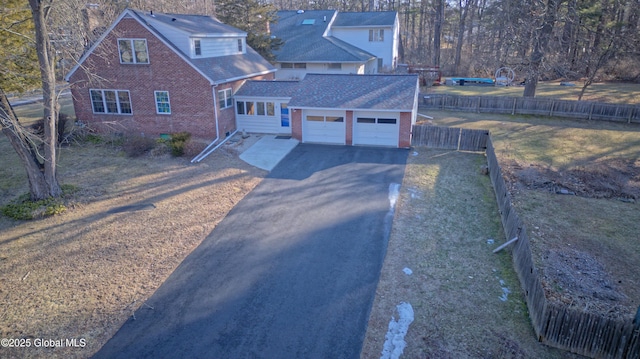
135 146
25 209
178 142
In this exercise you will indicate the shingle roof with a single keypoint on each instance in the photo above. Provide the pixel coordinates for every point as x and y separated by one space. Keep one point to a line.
307 43
217 69
358 19
255 88
375 92
193 24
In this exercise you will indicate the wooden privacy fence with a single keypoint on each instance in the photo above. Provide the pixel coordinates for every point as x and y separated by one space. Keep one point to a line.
449 138
555 324
535 106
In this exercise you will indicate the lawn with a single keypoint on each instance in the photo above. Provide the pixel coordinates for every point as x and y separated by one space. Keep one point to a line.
82 274
597 227
466 300
612 92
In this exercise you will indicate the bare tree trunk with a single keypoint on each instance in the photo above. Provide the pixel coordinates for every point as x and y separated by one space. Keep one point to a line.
541 41
437 32
17 136
39 10
461 28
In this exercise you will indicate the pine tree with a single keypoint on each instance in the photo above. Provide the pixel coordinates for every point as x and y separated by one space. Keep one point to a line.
254 18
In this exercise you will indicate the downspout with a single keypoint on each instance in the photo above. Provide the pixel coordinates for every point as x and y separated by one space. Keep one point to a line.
205 152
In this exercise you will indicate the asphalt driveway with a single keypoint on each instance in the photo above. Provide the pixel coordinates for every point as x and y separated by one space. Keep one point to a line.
291 272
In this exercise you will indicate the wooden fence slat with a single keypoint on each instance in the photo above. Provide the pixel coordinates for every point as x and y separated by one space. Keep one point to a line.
535 106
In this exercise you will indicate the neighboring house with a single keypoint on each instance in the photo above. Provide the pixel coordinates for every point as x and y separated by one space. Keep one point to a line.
333 108
162 73
328 41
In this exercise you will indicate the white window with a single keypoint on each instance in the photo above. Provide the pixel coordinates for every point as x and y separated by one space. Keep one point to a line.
258 108
334 66
163 107
376 35
133 51
225 98
197 47
111 101
240 47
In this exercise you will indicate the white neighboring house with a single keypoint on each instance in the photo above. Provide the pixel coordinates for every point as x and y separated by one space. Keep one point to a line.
327 41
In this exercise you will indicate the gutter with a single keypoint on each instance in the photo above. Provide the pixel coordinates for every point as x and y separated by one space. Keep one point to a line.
206 152
202 154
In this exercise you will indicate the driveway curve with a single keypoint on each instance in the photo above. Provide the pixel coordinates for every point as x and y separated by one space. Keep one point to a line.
291 272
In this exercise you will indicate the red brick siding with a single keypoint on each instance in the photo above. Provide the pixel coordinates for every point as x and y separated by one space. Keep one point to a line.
191 95
349 129
405 130
296 124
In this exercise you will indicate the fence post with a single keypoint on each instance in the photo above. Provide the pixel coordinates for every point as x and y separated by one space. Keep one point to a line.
633 108
551 111
459 138
513 110
591 110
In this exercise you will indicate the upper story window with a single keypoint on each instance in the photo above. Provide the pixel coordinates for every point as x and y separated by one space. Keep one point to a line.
225 98
133 51
111 101
376 35
197 48
291 65
240 47
334 66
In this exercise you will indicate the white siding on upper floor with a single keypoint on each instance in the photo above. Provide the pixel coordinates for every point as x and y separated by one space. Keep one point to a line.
359 37
323 68
178 38
214 47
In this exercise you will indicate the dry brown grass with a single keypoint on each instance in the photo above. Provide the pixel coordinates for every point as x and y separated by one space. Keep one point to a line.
445 215
611 92
83 273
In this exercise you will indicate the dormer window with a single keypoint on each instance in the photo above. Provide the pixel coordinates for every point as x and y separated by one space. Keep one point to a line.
133 51
197 47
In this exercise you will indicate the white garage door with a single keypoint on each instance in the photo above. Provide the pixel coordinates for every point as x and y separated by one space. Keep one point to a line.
378 129
324 127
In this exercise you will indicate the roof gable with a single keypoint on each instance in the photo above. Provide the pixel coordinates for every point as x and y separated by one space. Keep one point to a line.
215 70
307 41
374 92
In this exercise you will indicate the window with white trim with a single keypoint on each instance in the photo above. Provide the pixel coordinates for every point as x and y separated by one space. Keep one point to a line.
334 66
133 51
225 98
111 101
376 35
258 108
240 47
163 106
197 47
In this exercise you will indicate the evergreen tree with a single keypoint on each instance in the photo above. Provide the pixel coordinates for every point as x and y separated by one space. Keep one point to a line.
253 17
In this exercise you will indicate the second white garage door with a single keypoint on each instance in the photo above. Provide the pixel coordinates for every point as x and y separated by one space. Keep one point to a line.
376 128
324 127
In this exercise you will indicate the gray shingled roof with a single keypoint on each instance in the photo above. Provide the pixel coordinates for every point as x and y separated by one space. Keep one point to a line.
306 43
197 25
217 69
255 88
357 19
375 92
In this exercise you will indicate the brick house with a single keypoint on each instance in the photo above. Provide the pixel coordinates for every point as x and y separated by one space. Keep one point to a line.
163 73
152 74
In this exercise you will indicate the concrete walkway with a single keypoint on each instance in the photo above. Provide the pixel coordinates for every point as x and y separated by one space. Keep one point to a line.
268 151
